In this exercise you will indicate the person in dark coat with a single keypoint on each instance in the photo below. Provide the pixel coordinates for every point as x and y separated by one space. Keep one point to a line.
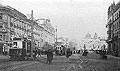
68 53
49 56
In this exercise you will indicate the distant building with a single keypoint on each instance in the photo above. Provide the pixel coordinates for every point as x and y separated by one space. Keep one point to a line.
94 42
113 26
88 36
61 41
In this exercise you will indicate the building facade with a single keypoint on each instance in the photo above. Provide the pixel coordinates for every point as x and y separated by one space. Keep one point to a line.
113 26
93 43
49 32
15 24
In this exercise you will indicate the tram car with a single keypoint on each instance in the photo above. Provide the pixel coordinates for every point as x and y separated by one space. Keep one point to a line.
20 49
2 50
60 50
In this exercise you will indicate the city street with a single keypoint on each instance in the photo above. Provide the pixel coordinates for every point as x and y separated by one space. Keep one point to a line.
76 62
76 35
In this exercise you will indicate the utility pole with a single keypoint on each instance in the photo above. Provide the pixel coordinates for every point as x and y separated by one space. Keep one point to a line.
56 34
32 45
84 47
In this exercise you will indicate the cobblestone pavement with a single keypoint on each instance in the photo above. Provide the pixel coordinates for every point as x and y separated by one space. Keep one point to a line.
9 65
92 62
76 62
60 63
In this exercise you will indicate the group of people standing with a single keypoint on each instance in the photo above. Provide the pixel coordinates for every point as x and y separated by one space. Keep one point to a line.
50 55
50 50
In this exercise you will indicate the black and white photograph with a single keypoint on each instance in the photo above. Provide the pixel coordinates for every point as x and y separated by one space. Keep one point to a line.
59 35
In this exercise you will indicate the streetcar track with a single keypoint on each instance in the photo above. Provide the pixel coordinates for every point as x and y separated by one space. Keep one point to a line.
23 66
80 66
72 66
4 61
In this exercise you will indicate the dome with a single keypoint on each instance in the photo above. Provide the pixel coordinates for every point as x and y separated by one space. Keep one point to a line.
88 36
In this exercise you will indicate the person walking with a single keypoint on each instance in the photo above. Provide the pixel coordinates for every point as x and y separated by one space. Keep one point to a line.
39 53
68 54
49 56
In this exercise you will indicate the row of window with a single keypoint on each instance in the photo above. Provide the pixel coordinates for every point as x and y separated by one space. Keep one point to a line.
18 25
116 26
15 22
116 34
116 15
49 28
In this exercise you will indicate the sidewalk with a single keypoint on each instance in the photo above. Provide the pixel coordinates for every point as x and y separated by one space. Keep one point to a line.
110 56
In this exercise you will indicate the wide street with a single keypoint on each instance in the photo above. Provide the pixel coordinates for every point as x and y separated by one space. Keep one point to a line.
76 62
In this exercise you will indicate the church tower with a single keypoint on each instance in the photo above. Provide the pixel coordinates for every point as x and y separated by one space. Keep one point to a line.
95 36
88 36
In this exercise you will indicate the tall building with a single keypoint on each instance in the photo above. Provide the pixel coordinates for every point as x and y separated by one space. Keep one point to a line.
10 19
15 24
49 32
113 26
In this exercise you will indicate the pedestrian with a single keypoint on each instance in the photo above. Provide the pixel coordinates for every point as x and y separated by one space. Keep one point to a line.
68 53
5 49
49 56
39 53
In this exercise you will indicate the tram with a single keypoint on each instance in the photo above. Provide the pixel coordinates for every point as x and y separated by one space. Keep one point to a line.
60 50
21 49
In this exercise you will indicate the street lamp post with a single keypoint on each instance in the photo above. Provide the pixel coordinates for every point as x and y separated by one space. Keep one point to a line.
32 45
32 37
56 34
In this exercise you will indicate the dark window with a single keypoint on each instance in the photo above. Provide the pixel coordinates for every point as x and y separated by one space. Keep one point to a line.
11 24
0 36
1 26
119 24
1 16
15 43
23 44
119 13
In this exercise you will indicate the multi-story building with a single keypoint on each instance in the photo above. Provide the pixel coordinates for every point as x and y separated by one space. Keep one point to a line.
113 26
10 20
15 24
49 32
94 43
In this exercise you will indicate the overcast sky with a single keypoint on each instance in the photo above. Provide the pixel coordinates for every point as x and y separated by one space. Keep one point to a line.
74 18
